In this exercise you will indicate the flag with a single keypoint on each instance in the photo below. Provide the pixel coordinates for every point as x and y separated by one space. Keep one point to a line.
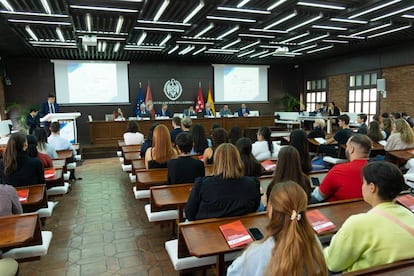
200 101
140 99
210 100
148 101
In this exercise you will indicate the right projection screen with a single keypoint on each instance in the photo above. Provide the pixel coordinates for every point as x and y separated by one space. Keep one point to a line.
240 83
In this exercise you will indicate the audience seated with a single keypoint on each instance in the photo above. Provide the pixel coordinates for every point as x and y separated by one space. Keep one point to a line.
42 145
33 152
343 181
401 138
387 124
263 149
161 151
331 147
408 118
218 137
299 141
132 136
317 132
184 169
148 142
289 168
17 168
57 141
227 193
290 237
235 134
381 235
199 139
186 123
361 119
252 167
9 201
375 133
176 125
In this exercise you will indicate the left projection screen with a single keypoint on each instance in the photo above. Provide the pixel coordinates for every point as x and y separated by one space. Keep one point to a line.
91 82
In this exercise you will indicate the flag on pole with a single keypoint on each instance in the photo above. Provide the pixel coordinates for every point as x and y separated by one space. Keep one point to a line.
200 101
140 99
148 101
210 100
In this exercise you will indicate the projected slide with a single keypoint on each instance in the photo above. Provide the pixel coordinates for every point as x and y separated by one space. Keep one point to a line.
241 83
91 81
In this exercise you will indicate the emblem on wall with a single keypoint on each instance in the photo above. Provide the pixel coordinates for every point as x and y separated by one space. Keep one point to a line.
173 89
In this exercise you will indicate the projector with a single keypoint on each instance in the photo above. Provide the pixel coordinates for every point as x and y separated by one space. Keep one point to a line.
89 40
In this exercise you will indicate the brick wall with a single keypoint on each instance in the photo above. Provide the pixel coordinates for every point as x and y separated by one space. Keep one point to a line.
337 91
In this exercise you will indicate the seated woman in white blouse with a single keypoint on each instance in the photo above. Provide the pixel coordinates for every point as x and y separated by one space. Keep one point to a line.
132 136
263 149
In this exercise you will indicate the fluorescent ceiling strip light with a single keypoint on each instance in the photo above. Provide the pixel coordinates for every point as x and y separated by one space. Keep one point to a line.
352 21
206 29
194 12
245 53
250 45
168 37
104 46
390 31
323 6
85 47
304 48
259 36
218 53
286 54
231 44
186 50
233 19
242 3
374 9
411 16
159 29
143 49
335 41
6 4
99 46
281 20
371 29
60 34
101 32
141 38
259 53
173 50
195 42
57 43
313 39
199 51
88 22
163 23
305 23
34 14
270 46
268 31
199 38
119 24
111 38
46 6
95 8
72 46
276 4
329 27
116 47
134 1
242 10
351 36
228 32
392 13
223 50
267 54
295 37
319 49
134 46
31 33
162 9
38 22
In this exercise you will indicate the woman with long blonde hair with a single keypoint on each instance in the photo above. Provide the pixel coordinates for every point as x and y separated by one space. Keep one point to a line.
401 138
161 151
290 246
227 192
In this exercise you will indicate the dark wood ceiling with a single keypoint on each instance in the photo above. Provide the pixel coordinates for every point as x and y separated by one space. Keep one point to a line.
389 22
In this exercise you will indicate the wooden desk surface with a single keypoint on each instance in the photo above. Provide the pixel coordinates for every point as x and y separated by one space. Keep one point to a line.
57 180
131 148
399 157
170 195
138 164
59 163
37 197
64 154
129 156
19 230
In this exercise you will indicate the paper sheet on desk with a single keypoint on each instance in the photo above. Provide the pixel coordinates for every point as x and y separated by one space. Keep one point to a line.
320 140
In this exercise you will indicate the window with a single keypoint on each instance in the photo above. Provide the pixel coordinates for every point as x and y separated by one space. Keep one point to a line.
362 93
315 93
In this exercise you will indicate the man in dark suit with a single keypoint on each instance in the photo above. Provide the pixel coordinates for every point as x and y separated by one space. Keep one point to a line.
49 107
164 112
32 120
208 111
243 111
143 112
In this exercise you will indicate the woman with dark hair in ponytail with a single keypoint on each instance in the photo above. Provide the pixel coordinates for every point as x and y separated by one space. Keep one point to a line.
289 238
263 149
17 168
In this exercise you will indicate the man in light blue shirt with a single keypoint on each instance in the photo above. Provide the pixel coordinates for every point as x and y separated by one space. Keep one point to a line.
58 142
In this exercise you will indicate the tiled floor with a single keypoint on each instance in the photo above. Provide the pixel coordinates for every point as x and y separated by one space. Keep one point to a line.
99 228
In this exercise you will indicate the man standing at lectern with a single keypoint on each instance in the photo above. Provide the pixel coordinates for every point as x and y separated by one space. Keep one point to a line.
49 107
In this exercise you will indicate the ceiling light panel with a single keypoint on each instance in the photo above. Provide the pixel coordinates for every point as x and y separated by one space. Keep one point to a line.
231 44
205 30
233 19
276 4
31 33
375 8
371 29
390 31
7 5
250 45
393 13
199 51
39 22
119 24
319 49
159 29
326 27
60 34
313 39
194 12
304 48
98 8
257 36
304 23
46 6
232 30
319 5
230 9
283 19
242 3
161 10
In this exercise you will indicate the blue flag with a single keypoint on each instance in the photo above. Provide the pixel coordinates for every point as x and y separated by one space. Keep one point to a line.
140 99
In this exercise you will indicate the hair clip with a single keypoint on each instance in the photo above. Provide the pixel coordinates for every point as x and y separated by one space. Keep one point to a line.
295 215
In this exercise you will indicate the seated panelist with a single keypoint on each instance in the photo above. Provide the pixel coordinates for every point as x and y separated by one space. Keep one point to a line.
143 112
190 111
208 111
243 111
225 111
164 112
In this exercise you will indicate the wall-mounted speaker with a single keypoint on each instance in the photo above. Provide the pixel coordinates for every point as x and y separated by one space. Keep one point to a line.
381 85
